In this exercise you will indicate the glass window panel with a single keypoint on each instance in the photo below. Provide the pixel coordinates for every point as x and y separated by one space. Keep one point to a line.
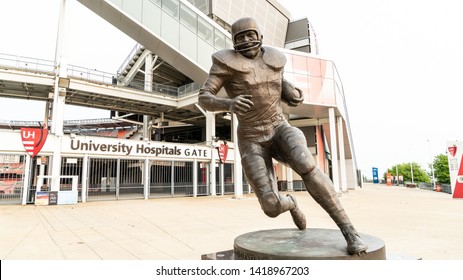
289 76
133 8
118 3
314 66
219 40
315 85
327 68
188 18
301 82
204 54
328 92
171 7
205 30
152 16
188 44
157 2
228 43
300 64
289 63
170 30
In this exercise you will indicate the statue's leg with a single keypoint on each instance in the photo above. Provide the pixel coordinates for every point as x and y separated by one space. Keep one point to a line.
318 184
321 189
258 168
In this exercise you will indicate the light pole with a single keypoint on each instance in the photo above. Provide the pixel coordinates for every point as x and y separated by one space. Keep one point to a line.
411 164
397 174
432 166
411 168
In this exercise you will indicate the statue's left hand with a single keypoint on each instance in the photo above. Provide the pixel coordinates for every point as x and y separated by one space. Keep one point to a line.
241 104
295 101
290 94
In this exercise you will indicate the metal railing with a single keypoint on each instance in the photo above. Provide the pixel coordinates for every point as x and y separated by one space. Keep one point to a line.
445 188
10 123
91 75
298 185
27 63
88 74
129 57
12 171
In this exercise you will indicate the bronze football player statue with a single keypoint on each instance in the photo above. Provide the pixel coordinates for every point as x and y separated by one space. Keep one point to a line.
252 77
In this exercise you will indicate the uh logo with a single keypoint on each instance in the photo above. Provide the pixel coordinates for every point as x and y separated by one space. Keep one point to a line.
33 139
223 152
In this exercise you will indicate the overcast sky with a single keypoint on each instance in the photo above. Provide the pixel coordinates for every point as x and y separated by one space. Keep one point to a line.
400 62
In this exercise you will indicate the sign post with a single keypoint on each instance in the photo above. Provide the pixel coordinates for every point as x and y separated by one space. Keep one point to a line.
375 175
388 179
455 158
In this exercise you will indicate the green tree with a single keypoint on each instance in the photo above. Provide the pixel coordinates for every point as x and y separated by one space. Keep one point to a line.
441 169
405 170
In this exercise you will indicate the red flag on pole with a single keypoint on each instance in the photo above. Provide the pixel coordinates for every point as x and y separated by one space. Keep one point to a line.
33 139
223 152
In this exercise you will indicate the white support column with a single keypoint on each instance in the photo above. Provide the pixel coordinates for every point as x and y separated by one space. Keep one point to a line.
195 178
56 165
222 179
118 177
342 155
149 63
172 178
61 82
41 171
146 178
213 173
289 179
210 140
289 172
57 132
334 150
27 179
210 136
148 87
237 167
59 95
84 178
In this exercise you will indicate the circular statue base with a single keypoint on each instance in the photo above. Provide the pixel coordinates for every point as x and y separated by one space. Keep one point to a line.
309 244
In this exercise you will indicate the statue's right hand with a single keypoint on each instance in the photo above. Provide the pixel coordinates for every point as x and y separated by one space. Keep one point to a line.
241 104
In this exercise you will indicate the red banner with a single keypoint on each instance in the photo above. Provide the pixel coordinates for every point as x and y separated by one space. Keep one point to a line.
458 190
33 139
388 179
223 152
452 150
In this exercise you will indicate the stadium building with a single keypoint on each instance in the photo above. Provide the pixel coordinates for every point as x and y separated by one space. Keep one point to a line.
158 141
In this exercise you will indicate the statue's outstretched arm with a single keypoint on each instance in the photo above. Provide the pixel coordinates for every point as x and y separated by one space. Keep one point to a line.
238 105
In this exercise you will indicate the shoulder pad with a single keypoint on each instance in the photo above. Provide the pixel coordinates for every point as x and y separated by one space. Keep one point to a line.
224 56
274 58
230 58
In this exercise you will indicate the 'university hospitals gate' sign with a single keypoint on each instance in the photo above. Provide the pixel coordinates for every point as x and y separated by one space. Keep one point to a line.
126 147
33 139
455 158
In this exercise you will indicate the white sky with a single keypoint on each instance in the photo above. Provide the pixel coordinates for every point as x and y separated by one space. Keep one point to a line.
399 60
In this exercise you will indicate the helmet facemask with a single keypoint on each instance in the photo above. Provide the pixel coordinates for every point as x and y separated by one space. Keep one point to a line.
243 26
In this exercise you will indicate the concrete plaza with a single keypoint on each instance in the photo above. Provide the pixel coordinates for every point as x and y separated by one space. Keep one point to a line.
412 222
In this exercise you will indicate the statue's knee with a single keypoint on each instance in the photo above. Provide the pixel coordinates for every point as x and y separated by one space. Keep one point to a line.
271 205
304 168
302 160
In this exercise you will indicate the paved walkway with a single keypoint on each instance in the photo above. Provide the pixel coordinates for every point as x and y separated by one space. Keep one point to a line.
412 222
